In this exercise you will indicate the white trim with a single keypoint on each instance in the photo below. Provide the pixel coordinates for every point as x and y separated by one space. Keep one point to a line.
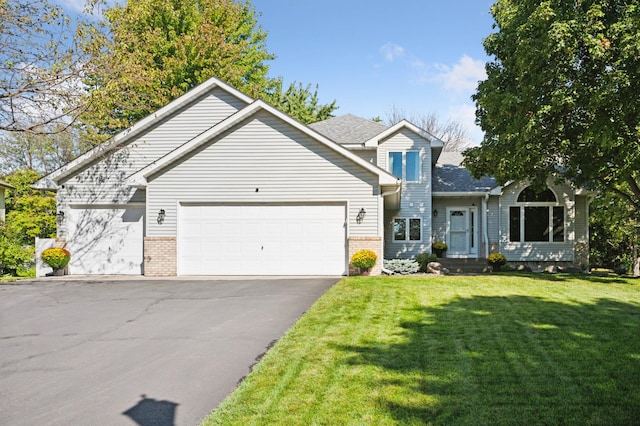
404 124
51 180
106 205
468 252
407 220
139 178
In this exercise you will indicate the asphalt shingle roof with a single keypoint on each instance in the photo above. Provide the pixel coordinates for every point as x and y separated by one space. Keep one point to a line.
450 176
348 129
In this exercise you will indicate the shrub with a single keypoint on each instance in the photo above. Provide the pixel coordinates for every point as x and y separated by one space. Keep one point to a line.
56 257
440 245
496 261
424 259
364 259
402 266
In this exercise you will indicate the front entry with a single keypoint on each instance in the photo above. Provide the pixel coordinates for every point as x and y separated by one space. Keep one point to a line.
462 232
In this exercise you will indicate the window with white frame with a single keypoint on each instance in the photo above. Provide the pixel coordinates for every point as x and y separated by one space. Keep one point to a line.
405 165
537 217
407 229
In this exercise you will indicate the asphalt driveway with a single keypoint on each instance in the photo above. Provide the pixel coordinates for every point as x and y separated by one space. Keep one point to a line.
146 351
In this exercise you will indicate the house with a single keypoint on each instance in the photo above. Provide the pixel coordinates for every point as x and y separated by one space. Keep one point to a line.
217 183
3 186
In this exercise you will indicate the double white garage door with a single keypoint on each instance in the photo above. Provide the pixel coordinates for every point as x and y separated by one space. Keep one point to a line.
215 240
261 240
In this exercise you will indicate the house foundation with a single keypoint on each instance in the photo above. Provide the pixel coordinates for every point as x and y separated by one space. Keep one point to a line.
369 243
160 257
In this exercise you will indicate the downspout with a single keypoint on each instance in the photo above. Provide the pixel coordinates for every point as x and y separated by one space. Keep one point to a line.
381 228
485 224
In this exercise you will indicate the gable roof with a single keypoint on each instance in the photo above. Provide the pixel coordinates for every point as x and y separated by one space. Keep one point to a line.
348 129
139 179
50 181
450 176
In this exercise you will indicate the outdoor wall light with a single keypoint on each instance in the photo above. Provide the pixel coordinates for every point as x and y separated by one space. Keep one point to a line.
60 216
161 215
435 213
360 215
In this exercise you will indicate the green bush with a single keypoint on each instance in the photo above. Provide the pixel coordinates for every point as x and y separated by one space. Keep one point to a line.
56 257
496 261
424 259
402 266
364 259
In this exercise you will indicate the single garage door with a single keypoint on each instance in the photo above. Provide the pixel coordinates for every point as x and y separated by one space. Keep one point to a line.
262 240
106 240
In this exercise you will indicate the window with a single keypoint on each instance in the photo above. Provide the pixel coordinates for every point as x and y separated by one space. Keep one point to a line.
405 165
538 219
411 228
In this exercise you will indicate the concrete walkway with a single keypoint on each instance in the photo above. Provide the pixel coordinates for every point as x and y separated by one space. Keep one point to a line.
127 351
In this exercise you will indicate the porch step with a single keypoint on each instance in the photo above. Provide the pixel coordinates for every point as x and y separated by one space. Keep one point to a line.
465 266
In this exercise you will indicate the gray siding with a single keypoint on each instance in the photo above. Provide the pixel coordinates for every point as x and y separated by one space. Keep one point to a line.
538 251
493 219
104 181
266 154
416 196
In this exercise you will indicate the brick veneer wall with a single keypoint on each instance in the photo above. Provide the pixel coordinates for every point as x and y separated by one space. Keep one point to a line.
371 243
160 256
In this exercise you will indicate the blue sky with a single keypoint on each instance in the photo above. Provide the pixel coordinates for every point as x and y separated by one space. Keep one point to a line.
419 56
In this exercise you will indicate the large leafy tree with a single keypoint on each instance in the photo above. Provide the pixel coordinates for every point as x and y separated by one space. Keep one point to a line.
561 95
152 51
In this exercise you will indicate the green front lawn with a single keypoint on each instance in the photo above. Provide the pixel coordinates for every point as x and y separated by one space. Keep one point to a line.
500 349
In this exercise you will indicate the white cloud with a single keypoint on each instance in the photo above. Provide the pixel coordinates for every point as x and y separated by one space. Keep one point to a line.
391 51
463 77
72 5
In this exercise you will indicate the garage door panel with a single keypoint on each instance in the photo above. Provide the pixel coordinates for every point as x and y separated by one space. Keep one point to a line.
262 240
106 240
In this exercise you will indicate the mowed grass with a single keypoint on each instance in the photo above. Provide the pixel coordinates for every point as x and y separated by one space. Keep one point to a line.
458 350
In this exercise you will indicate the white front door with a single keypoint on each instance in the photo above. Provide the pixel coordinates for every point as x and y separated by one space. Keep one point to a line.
462 229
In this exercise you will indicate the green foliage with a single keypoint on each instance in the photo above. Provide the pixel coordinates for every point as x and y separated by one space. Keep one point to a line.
14 256
56 257
298 102
613 233
402 266
424 259
153 51
364 259
30 214
496 261
561 95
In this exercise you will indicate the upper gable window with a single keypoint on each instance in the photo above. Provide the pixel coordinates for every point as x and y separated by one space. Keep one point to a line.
529 195
405 165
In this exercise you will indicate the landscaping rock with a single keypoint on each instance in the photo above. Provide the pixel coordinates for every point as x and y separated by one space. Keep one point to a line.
551 269
523 268
436 268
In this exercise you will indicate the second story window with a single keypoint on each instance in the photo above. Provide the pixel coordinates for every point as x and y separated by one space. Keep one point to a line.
405 165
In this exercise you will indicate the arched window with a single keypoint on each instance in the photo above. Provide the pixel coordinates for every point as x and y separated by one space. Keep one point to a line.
529 195
537 217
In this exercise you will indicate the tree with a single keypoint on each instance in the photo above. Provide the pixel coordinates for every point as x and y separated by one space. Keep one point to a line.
561 96
298 102
41 65
43 153
451 132
151 52
30 213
